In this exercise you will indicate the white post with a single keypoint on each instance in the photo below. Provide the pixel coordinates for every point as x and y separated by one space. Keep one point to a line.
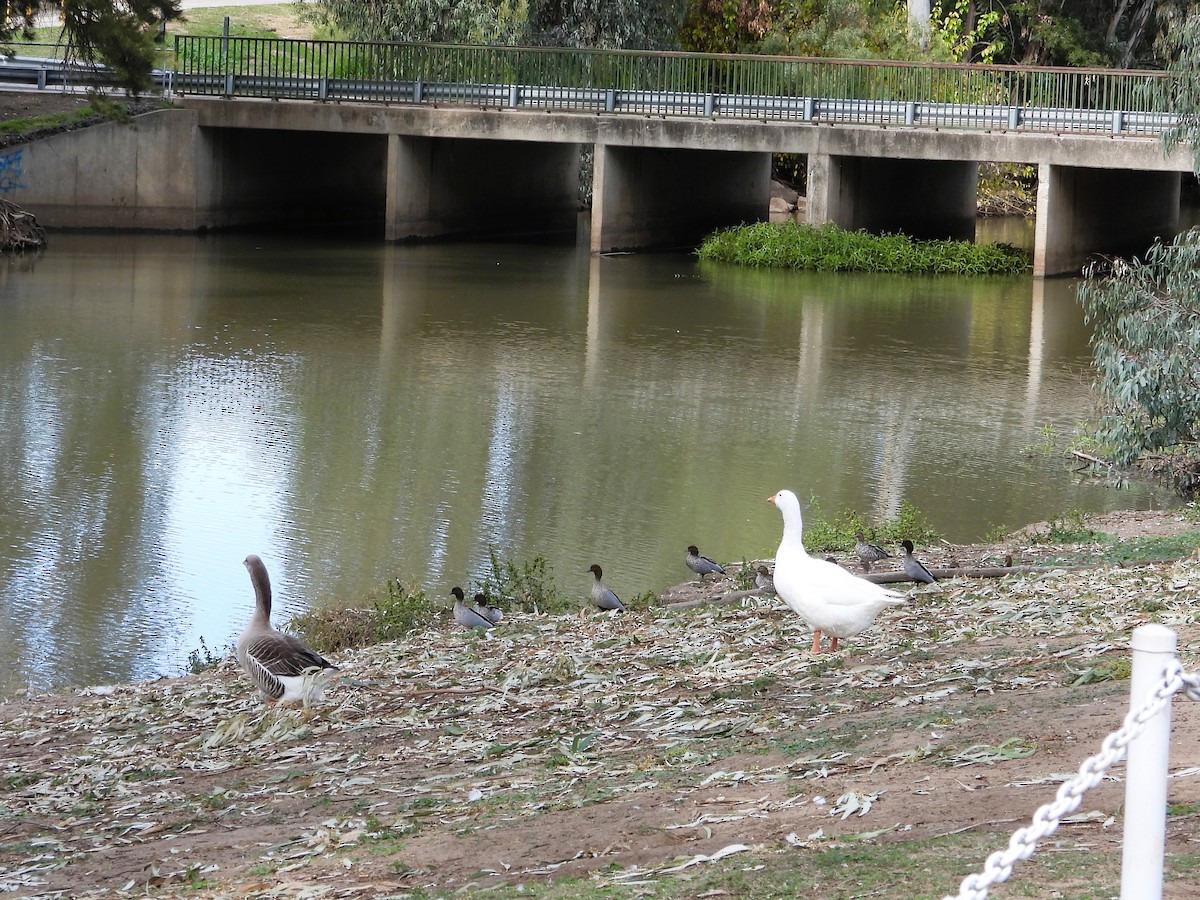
1146 770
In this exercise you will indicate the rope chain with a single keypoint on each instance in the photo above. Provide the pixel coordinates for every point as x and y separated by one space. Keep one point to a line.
1021 845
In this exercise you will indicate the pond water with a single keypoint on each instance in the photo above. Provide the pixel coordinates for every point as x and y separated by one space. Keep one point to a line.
357 411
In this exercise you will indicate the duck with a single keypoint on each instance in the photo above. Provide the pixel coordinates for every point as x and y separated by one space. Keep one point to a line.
282 667
764 582
831 599
485 607
602 596
913 567
701 565
467 616
868 552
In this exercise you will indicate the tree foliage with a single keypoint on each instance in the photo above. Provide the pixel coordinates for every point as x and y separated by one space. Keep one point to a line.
440 21
725 26
612 24
650 25
1183 87
118 33
1145 317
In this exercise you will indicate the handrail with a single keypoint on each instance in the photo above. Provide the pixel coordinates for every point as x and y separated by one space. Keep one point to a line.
678 83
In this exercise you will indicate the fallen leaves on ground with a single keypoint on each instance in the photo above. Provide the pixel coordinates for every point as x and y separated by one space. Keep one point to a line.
631 747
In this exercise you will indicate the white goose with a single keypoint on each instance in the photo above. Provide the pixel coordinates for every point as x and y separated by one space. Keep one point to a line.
280 665
828 597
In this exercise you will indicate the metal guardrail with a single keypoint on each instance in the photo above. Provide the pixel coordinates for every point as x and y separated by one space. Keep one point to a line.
678 84
46 73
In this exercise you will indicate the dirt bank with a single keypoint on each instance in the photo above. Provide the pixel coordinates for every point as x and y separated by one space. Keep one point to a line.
674 753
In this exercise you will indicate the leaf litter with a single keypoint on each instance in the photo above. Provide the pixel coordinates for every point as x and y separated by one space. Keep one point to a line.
575 744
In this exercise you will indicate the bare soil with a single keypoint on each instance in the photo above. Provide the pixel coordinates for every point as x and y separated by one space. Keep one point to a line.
661 752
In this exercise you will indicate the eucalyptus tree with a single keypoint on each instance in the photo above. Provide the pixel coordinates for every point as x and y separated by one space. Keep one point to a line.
1145 316
613 24
439 21
644 24
118 33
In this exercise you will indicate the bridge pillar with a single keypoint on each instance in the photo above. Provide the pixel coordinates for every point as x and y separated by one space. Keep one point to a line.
459 186
923 198
1082 212
646 197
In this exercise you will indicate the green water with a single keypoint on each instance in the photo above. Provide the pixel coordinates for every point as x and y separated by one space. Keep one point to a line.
357 411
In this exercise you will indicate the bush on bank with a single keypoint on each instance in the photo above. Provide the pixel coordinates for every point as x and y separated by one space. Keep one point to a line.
828 248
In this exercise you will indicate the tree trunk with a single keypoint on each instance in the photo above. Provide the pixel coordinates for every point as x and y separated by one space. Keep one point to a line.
1110 36
1137 30
918 22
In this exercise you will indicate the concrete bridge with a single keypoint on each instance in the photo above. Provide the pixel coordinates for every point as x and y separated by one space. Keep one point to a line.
479 161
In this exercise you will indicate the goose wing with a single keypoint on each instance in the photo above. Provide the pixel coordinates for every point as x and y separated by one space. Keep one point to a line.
838 587
272 656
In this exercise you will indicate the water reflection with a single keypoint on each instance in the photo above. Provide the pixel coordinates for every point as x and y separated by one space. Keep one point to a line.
355 412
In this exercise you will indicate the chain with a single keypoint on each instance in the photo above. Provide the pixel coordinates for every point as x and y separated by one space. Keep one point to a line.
1021 845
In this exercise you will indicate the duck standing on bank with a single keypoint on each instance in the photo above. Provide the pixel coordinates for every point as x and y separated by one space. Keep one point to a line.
602 596
487 609
867 552
280 665
913 567
468 616
764 582
832 600
701 565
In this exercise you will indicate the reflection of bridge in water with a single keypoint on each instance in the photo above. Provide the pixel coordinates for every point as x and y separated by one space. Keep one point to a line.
455 140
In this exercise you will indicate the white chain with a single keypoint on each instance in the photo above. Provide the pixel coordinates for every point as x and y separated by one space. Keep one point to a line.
1021 845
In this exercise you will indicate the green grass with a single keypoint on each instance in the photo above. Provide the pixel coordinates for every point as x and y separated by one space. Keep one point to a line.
13 128
828 248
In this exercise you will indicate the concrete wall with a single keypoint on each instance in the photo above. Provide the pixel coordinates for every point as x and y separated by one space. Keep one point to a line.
141 174
650 197
926 199
452 186
1083 212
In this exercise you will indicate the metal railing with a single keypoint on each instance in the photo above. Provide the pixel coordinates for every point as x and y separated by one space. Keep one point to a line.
678 84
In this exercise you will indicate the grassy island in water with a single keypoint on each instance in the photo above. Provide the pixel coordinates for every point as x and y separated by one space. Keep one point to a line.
828 248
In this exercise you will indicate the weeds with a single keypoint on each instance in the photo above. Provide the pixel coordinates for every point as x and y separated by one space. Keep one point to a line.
828 248
203 658
530 584
394 611
823 535
1069 528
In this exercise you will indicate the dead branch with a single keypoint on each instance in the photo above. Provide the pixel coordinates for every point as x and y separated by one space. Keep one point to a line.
19 230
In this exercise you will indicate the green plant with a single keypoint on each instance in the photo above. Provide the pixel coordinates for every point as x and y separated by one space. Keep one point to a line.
387 613
1048 445
1111 670
1068 528
202 658
823 535
828 248
1145 317
528 583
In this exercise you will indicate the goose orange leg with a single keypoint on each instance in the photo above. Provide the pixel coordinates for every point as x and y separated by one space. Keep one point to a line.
816 647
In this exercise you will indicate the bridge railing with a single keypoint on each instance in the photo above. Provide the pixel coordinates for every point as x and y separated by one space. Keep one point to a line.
683 84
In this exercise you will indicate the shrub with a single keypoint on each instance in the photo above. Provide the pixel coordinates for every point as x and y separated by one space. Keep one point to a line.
823 535
1145 317
529 584
387 613
828 248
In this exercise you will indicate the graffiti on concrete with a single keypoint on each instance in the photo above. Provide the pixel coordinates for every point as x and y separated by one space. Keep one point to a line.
11 172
